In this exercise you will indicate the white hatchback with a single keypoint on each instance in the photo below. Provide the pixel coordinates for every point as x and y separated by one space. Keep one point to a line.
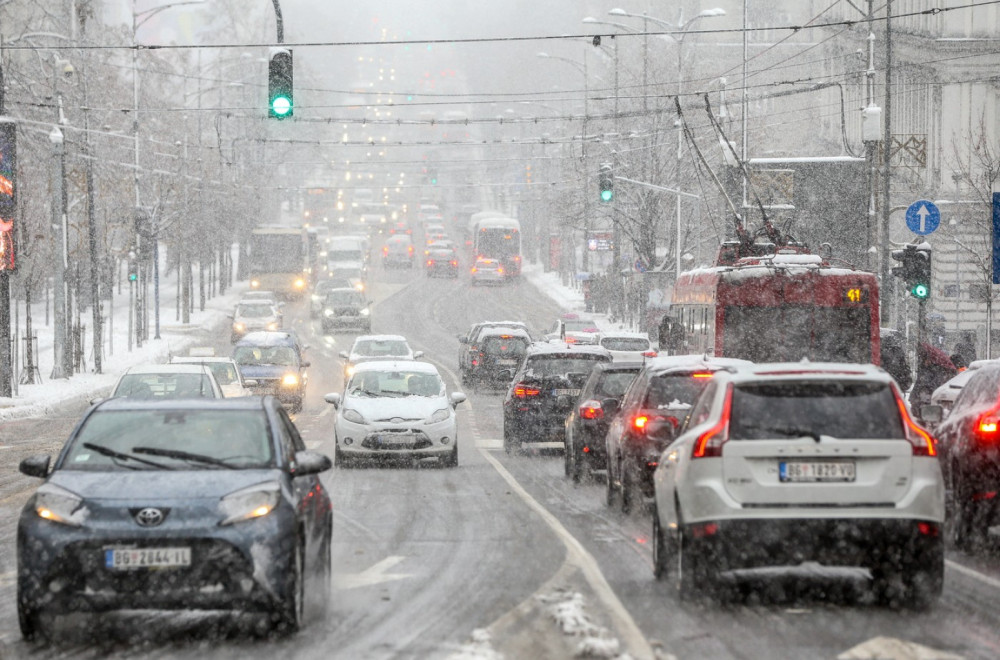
395 410
783 463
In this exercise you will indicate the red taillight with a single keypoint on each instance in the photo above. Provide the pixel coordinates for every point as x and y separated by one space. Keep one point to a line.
385 249
988 424
430 262
586 450
710 442
639 423
706 529
454 263
928 529
649 354
591 410
522 391
923 443
410 249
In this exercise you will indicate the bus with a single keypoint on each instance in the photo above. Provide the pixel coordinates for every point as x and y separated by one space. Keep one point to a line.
279 259
498 238
321 205
784 307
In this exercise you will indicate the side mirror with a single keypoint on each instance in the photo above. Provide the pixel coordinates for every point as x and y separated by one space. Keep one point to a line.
250 382
417 355
344 355
333 398
305 364
36 466
310 462
610 406
457 398
462 339
931 413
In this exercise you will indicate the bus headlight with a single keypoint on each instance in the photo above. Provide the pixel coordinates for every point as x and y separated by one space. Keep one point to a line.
254 284
299 283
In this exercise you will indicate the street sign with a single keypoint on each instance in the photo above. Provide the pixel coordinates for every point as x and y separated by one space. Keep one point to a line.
923 217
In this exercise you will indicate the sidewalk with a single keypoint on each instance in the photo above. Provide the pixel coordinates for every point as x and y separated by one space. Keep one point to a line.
175 338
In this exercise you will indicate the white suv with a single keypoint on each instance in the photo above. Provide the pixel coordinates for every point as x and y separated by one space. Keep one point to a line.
778 464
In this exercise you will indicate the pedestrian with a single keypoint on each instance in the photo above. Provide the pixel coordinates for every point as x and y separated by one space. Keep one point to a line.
934 369
893 358
966 347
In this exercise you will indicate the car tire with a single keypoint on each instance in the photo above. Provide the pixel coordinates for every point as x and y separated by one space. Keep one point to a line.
627 488
663 553
451 460
322 585
610 490
692 573
291 609
28 618
511 441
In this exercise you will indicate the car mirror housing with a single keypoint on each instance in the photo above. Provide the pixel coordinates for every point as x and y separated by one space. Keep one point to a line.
457 398
417 355
610 406
333 398
931 413
311 462
344 355
250 382
36 466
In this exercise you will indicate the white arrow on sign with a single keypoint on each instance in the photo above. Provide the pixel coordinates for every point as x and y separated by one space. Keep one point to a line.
890 648
375 574
923 213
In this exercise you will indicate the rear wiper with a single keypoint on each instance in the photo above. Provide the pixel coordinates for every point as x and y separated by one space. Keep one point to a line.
111 453
790 431
183 455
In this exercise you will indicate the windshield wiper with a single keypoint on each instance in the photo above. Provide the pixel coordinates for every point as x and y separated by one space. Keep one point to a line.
184 456
790 431
111 453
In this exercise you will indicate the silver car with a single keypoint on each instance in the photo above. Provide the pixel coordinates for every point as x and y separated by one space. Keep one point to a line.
254 315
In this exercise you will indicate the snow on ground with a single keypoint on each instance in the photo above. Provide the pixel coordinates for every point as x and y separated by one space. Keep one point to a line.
569 298
479 647
567 608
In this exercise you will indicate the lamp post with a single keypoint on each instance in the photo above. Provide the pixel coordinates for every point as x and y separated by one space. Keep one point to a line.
59 224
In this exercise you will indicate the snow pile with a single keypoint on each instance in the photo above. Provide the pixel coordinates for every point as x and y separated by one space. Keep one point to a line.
479 648
567 608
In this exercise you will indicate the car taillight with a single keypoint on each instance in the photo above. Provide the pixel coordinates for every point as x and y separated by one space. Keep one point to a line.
649 354
454 263
922 441
710 442
500 271
639 422
430 262
473 269
591 410
988 424
410 249
385 249
522 391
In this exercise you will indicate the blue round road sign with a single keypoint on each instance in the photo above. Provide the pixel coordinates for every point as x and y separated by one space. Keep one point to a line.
923 217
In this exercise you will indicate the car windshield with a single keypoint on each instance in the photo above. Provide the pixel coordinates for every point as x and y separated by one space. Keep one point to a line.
271 355
344 299
854 410
673 390
381 348
239 439
165 386
560 365
395 384
254 311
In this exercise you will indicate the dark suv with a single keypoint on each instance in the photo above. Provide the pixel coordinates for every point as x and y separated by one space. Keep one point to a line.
651 411
469 347
499 355
544 390
273 360
970 457
587 423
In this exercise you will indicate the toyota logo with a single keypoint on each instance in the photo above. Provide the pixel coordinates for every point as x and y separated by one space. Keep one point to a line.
150 517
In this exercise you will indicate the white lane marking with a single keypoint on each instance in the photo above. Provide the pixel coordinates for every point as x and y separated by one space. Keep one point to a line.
578 556
492 443
972 573
312 444
326 411
375 574
890 648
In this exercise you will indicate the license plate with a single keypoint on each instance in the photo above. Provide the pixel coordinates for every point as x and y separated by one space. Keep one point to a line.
566 392
816 471
506 361
395 439
128 558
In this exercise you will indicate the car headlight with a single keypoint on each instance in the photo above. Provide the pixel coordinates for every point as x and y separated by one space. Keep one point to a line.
59 505
315 298
273 325
254 284
249 503
352 415
299 284
239 327
350 370
365 312
327 312
439 416
290 380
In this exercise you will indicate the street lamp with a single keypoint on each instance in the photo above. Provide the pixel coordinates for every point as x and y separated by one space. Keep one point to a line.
59 336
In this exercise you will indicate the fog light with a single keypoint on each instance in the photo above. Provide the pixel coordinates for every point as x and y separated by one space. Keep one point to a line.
246 585
445 440
348 441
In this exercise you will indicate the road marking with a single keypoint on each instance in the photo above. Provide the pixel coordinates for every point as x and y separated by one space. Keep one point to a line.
890 648
578 557
492 443
375 574
972 573
326 411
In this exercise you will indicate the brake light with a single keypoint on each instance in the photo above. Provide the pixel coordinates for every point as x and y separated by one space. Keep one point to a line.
385 249
500 270
639 423
454 263
649 354
710 442
410 249
707 374
591 410
522 391
988 424
923 443
430 262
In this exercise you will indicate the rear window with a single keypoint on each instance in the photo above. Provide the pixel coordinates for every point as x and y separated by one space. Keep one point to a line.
614 383
165 386
505 345
625 343
856 410
674 391
559 365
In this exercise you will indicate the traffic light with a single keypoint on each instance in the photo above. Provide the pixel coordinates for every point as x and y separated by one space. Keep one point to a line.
914 269
432 176
606 181
8 192
279 84
133 270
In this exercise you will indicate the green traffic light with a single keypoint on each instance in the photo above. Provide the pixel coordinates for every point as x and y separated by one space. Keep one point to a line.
281 105
920 291
607 195
132 277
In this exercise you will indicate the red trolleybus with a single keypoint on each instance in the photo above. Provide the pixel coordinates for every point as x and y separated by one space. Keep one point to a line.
779 308
499 238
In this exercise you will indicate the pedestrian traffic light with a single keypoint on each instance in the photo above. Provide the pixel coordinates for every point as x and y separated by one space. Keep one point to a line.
606 181
279 84
914 269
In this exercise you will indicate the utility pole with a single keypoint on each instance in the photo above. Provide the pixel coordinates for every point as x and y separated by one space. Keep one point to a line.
886 297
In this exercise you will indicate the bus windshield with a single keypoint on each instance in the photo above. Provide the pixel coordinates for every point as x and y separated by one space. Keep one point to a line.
789 333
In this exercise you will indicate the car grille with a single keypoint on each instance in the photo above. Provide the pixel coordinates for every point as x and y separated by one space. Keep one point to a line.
345 311
396 439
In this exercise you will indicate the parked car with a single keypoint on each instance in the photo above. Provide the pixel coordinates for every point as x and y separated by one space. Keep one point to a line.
367 348
587 423
970 456
646 422
346 308
395 410
167 381
250 316
469 343
397 252
500 351
627 346
544 390
790 462
274 361
224 369
487 271
204 505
